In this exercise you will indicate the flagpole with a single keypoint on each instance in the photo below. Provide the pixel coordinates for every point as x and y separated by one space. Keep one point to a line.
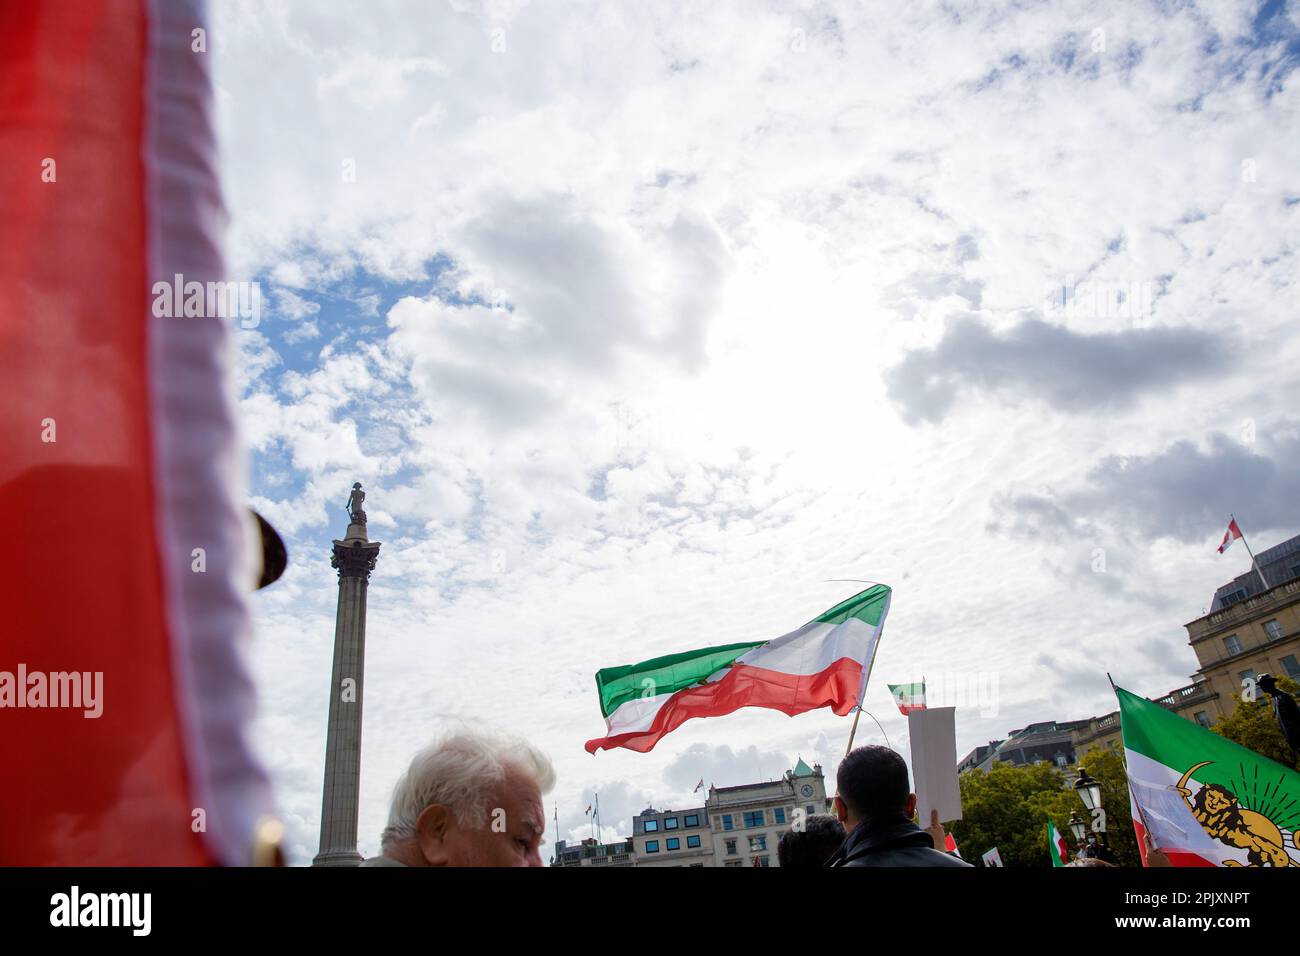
862 691
1132 795
1253 563
854 730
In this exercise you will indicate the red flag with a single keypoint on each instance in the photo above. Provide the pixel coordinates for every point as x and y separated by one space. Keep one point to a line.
124 695
1229 536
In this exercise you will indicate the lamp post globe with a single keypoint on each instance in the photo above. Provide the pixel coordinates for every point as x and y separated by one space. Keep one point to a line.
1089 790
1079 827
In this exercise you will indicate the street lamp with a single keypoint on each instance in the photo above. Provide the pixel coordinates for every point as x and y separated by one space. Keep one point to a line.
1079 827
1089 791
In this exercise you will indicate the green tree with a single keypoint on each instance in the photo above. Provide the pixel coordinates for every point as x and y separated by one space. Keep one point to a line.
1007 807
1253 725
1107 766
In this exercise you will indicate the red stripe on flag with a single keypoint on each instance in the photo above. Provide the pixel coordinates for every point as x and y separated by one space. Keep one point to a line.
85 590
1176 857
747 686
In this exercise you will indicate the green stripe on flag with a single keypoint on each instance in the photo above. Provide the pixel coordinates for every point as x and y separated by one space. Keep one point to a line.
1054 844
867 606
665 675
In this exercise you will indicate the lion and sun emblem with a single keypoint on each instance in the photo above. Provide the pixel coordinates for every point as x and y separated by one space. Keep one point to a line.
1221 813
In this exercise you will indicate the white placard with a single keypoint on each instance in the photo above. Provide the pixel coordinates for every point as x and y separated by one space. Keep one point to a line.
934 763
992 858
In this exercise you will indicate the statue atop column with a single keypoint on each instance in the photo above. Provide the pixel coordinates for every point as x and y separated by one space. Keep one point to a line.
355 502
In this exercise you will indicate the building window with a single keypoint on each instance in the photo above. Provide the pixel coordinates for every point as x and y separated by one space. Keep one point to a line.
811 809
1290 665
764 861
1232 644
692 819
650 826
674 843
1247 674
1273 629
753 818
779 814
1203 719
693 841
732 862
726 822
758 843
731 848
652 846
1234 597
670 823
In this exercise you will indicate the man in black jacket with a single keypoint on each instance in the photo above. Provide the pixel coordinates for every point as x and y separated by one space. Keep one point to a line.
875 804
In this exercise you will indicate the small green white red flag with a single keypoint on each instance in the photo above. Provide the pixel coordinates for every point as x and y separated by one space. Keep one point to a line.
908 697
1056 844
825 663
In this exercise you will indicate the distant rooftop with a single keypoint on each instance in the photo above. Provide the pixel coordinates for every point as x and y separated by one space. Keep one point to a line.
1279 564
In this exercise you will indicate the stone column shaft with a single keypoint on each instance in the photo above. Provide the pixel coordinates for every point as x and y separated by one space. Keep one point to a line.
355 558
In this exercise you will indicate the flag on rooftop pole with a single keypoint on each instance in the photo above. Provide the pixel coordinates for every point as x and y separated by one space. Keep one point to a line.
110 184
908 697
1205 800
825 663
1056 845
1232 534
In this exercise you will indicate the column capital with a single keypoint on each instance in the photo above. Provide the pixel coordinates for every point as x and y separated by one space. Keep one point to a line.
354 559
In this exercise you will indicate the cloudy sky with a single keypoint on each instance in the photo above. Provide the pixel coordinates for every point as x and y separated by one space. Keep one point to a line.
643 323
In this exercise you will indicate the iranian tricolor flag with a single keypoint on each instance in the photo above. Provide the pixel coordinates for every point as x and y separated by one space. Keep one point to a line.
825 663
1205 800
908 697
1056 845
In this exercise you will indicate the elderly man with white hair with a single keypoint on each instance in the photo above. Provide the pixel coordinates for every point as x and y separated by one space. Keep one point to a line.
469 799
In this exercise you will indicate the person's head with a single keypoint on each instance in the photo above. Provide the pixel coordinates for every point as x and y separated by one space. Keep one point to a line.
872 783
812 846
470 799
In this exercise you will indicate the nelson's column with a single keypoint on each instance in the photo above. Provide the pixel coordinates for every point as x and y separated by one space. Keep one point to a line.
355 558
